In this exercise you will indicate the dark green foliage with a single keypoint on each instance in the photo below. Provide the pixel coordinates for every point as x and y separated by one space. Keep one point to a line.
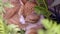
42 8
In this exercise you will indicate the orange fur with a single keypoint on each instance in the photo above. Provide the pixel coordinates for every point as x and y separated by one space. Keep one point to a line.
11 11
29 8
27 11
31 31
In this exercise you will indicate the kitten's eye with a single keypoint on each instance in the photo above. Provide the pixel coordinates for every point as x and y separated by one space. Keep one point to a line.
32 18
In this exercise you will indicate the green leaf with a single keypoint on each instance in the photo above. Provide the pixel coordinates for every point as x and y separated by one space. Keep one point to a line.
42 8
0 1
40 1
8 5
41 31
50 26
3 25
53 26
1 9
46 23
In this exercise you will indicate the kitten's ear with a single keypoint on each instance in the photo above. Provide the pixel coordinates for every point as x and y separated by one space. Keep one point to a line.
24 1
41 16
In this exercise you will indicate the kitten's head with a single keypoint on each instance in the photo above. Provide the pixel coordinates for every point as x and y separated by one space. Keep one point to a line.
32 18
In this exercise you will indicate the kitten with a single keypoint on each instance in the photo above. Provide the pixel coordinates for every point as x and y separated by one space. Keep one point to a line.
31 21
31 28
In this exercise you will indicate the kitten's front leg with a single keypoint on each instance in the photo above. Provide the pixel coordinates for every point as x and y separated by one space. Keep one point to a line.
31 31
